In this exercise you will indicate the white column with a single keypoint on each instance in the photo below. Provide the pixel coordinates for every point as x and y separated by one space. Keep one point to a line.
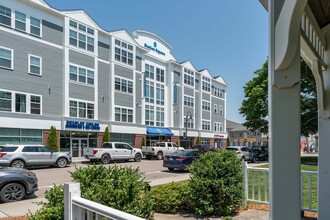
324 148
284 109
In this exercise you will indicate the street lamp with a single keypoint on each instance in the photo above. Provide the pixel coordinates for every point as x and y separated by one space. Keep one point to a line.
188 116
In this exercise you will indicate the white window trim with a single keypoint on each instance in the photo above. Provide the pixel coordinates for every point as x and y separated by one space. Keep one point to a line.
127 50
221 109
26 23
209 104
215 109
83 67
28 101
123 107
121 78
12 58
208 123
12 12
29 26
84 101
29 65
193 76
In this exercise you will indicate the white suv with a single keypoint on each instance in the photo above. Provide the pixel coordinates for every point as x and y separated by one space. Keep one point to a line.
243 153
21 156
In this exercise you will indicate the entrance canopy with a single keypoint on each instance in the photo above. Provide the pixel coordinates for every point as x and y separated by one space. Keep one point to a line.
159 131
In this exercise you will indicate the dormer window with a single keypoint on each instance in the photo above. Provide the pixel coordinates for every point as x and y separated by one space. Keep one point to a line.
189 77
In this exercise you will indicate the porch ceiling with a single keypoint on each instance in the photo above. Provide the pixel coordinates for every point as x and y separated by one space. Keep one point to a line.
321 11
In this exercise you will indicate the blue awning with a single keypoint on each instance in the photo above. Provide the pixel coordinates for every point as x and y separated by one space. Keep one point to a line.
159 131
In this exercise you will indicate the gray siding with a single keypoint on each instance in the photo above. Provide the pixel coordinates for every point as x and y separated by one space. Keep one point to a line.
206 96
123 72
177 108
83 92
138 62
197 83
104 90
198 110
19 79
138 92
189 91
123 100
81 59
189 109
52 33
104 51
206 115
217 117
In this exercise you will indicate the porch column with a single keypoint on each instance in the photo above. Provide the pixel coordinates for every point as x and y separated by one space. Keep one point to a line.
284 108
324 146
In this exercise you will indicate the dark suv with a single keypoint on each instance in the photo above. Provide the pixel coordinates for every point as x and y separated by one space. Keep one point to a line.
261 152
203 147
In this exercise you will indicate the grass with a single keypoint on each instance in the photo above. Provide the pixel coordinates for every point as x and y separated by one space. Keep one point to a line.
261 194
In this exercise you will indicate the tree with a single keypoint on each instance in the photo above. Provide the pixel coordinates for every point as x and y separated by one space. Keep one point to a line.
52 139
256 98
198 140
143 142
106 135
228 141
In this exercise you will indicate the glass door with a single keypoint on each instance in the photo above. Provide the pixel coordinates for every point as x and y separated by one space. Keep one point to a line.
77 146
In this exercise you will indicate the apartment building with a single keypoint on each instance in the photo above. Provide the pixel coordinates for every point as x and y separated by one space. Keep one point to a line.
60 68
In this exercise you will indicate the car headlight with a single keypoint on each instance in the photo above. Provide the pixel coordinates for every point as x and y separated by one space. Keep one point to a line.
29 174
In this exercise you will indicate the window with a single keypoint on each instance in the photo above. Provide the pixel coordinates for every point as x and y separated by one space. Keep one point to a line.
81 36
123 115
206 125
123 52
215 108
189 77
159 94
81 109
149 71
20 103
6 58
149 115
150 90
123 85
20 21
206 84
81 74
206 105
160 116
219 92
35 105
220 109
160 75
35 65
5 15
188 101
5 101
35 26
218 127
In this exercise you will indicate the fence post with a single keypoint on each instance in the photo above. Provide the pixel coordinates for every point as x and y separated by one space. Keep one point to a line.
246 185
70 190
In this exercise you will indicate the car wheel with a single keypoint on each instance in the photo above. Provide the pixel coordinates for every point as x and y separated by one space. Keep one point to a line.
170 168
105 159
159 155
62 162
12 192
18 164
148 157
137 157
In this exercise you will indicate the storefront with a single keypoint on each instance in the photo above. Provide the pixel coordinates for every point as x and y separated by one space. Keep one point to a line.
77 136
218 140
155 135
20 136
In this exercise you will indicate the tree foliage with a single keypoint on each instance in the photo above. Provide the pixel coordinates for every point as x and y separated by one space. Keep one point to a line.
143 142
52 139
198 140
255 104
106 135
228 141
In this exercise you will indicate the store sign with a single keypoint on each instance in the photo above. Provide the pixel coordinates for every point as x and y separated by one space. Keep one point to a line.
219 136
82 125
154 48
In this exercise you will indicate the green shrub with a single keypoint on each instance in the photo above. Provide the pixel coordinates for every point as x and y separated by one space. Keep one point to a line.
54 208
120 188
170 198
52 139
216 186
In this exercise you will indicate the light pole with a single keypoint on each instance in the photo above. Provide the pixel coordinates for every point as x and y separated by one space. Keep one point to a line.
188 115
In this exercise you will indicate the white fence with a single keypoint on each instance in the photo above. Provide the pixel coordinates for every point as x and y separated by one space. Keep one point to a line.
77 208
256 187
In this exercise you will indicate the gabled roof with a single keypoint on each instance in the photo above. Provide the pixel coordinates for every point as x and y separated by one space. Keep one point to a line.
206 73
220 80
41 2
189 65
123 34
81 15
234 126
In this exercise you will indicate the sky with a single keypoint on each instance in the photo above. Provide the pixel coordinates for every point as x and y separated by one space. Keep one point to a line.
229 38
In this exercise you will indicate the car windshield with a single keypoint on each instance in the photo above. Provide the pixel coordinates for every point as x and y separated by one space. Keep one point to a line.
232 149
7 149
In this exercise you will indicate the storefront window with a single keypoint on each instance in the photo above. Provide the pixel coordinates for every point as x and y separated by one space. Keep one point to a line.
20 136
127 138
